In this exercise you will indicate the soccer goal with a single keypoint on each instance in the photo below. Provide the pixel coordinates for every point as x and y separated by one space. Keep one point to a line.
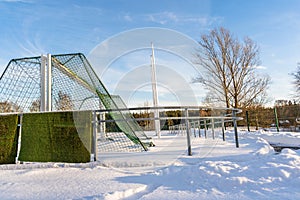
67 82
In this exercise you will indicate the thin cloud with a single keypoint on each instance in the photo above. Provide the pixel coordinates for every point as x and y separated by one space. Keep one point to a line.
285 19
30 47
204 21
259 67
127 18
17 1
3 64
170 17
163 17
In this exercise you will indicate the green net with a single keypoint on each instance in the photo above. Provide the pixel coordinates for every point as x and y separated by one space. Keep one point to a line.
87 78
131 121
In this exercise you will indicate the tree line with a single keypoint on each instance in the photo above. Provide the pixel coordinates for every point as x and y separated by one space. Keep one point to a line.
287 112
63 102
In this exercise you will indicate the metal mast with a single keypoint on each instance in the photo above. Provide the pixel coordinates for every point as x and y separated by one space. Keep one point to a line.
154 92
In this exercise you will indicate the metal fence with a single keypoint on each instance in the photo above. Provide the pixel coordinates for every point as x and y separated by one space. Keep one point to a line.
190 118
278 118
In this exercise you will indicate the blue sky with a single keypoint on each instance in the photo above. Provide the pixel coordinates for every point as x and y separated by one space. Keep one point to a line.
33 27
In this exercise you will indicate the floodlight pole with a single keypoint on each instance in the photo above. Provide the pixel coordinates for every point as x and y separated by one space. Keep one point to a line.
154 93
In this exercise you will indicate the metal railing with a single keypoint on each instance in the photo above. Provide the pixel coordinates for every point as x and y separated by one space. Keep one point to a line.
191 116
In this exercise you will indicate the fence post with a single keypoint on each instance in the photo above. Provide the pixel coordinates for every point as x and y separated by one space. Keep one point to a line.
199 128
205 127
276 119
213 128
20 120
180 128
256 120
223 129
194 125
94 139
235 128
188 132
247 119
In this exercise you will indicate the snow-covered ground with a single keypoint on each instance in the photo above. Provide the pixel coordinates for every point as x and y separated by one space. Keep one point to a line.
216 170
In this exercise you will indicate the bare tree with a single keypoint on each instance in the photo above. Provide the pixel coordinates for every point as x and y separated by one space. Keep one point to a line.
64 102
229 69
7 107
35 106
296 76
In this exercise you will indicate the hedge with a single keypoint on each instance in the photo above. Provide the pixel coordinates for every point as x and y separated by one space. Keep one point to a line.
55 137
8 138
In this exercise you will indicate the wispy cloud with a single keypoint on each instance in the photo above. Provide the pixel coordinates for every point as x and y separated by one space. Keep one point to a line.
3 64
127 18
290 19
170 17
30 48
162 18
259 67
17 1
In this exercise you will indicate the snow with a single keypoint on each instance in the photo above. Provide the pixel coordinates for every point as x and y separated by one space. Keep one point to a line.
216 170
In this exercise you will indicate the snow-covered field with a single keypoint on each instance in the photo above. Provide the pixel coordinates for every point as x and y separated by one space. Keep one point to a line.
216 170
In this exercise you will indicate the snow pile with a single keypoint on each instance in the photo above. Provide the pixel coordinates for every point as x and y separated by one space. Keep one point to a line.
217 170
281 138
264 147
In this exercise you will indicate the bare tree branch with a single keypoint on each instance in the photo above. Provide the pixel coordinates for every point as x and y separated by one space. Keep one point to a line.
296 82
229 72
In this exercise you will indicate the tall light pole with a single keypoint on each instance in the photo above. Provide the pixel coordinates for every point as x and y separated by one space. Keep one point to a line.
154 93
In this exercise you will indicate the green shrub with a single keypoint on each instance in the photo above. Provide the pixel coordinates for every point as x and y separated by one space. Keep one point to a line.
8 138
